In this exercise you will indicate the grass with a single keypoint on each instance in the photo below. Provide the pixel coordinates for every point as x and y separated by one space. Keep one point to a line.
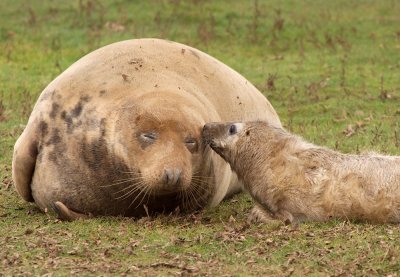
330 69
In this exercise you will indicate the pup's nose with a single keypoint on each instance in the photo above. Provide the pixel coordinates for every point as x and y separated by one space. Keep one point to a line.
172 176
210 125
207 127
207 132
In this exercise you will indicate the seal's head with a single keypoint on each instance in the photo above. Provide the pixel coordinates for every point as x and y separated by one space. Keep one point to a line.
160 140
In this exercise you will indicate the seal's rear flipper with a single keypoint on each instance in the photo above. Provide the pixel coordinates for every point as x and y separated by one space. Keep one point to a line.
66 214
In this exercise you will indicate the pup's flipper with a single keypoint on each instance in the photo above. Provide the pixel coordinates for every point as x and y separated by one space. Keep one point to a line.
260 215
285 216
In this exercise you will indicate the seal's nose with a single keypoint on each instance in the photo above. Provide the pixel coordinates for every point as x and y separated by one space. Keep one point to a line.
172 176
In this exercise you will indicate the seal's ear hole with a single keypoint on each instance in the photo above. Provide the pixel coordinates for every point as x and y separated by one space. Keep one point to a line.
247 133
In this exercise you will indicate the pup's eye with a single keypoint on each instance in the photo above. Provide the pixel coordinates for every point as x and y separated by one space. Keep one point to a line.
232 129
150 137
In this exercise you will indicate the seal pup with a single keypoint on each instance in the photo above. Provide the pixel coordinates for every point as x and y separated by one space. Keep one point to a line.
119 132
293 180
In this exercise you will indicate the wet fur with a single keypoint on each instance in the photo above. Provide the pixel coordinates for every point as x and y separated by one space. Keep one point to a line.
293 180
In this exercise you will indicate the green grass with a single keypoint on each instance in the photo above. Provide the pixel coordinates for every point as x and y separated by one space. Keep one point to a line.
331 69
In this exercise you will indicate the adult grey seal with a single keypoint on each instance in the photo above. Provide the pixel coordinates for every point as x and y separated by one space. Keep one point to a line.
119 132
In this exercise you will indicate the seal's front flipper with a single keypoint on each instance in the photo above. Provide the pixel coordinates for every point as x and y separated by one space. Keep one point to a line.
23 164
64 213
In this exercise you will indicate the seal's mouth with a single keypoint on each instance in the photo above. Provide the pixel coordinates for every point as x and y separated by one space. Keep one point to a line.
217 148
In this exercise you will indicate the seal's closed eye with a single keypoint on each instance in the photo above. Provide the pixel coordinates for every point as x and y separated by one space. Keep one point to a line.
191 144
146 139
150 137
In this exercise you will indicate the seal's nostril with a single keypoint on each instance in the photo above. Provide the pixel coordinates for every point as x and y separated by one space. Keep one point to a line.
172 176
165 177
177 176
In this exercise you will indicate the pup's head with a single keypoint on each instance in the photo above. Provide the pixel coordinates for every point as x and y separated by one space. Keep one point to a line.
223 137
235 140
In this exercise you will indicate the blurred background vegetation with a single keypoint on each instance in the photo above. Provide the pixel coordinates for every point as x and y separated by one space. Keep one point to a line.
331 70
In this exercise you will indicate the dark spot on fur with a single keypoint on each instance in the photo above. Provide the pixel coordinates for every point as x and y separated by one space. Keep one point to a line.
94 153
136 61
194 54
54 110
55 137
67 119
33 149
102 92
53 157
74 113
125 77
102 127
58 152
247 133
85 98
77 110
40 153
43 128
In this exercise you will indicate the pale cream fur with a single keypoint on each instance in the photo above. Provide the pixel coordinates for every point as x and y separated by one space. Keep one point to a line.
294 181
93 113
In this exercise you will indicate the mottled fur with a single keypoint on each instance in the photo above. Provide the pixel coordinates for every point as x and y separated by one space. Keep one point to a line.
294 180
119 132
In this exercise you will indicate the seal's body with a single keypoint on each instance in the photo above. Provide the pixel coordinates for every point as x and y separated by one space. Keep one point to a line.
119 132
293 180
